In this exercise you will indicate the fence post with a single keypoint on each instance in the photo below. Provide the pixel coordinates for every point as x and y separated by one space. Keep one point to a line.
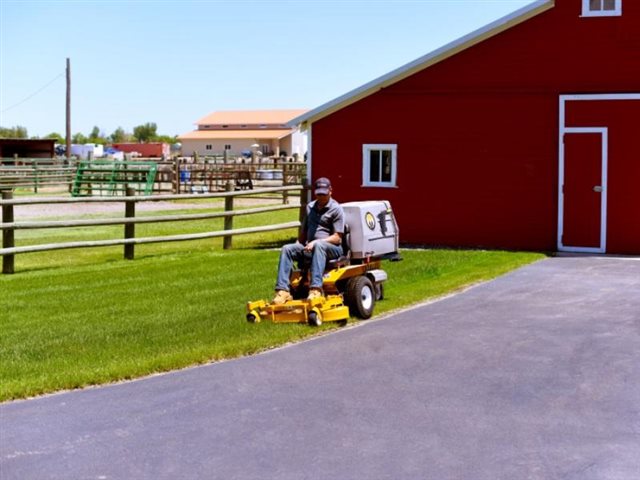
228 220
125 167
68 169
34 165
176 175
129 228
303 202
285 194
7 235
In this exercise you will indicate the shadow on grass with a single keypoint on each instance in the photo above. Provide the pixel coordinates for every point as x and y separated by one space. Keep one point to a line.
57 265
267 244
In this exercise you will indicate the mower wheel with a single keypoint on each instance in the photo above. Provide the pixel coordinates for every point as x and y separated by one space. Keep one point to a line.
251 317
379 291
360 296
313 319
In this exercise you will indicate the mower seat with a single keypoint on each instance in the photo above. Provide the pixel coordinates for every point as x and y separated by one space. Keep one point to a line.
305 262
345 258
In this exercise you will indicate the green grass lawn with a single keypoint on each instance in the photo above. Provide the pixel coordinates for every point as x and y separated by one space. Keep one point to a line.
74 318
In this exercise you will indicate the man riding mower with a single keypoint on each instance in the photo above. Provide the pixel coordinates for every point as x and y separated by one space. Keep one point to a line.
351 280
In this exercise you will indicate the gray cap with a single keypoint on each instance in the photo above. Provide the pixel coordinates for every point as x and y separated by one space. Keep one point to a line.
322 186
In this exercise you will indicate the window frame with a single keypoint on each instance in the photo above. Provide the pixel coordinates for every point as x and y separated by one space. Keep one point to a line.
367 148
587 12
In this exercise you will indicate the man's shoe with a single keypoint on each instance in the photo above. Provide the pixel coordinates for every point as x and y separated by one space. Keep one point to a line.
282 296
314 293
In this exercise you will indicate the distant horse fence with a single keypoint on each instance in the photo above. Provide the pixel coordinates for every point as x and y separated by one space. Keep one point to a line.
9 224
101 177
36 173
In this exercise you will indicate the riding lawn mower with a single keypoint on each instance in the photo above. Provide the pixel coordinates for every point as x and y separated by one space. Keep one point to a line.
352 283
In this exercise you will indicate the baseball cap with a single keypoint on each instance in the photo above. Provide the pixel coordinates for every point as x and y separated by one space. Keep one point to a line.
322 186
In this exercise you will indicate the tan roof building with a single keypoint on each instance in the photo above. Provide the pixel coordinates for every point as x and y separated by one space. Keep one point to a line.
272 118
245 130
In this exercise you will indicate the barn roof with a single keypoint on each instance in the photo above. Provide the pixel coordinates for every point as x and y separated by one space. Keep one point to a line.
448 50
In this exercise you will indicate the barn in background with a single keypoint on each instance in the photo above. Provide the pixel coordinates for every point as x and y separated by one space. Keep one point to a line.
11 148
522 135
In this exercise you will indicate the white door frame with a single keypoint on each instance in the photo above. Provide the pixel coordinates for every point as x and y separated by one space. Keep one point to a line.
604 136
605 160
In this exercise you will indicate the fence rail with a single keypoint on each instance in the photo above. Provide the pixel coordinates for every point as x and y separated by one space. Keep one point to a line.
36 173
9 225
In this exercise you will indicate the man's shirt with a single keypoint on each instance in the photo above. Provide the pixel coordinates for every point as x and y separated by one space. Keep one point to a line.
321 223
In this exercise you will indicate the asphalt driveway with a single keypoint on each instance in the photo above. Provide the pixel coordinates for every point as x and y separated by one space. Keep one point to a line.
535 375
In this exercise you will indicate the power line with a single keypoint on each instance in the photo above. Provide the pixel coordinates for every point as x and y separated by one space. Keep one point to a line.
33 94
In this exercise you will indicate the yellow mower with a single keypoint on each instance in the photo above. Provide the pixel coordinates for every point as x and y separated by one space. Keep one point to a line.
352 283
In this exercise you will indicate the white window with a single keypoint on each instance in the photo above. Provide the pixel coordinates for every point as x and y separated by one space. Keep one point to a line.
601 8
379 165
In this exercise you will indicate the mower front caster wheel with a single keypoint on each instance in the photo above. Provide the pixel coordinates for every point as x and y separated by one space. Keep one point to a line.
313 319
253 317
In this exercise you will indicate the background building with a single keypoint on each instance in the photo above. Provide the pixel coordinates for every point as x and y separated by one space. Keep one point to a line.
265 131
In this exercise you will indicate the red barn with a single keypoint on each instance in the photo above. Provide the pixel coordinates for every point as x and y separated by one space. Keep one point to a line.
522 135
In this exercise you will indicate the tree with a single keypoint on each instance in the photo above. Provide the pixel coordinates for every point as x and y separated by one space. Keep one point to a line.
166 139
119 136
96 136
145 133
56 136
14 132
78 138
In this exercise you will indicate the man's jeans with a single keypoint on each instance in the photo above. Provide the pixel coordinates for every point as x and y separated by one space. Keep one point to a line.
322 251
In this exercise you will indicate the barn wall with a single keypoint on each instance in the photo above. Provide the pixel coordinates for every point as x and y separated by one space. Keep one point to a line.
622 119
478 175
25 148
477 134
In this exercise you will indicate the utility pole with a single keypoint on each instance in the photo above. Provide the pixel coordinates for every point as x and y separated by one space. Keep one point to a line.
68 110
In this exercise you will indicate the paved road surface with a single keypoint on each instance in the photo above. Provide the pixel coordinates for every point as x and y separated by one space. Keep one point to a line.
535 375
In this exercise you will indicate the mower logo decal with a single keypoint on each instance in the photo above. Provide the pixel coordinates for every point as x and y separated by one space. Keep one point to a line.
370 220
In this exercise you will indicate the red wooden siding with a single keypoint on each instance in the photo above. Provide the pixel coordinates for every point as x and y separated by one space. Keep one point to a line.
456 182
477 134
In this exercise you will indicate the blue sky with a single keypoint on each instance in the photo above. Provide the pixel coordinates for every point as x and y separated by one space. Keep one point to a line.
173 62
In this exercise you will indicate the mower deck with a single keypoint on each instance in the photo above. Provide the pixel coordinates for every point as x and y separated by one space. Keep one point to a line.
314 312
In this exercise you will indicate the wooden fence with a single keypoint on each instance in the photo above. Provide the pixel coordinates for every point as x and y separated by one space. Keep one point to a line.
187 175
179 175
9 225
36 173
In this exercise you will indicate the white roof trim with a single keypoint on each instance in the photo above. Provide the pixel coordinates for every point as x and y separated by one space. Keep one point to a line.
448 50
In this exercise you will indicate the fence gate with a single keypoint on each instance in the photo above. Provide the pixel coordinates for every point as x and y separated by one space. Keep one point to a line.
101 178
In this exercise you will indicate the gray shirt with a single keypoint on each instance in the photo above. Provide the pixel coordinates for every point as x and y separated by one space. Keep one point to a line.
320 223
